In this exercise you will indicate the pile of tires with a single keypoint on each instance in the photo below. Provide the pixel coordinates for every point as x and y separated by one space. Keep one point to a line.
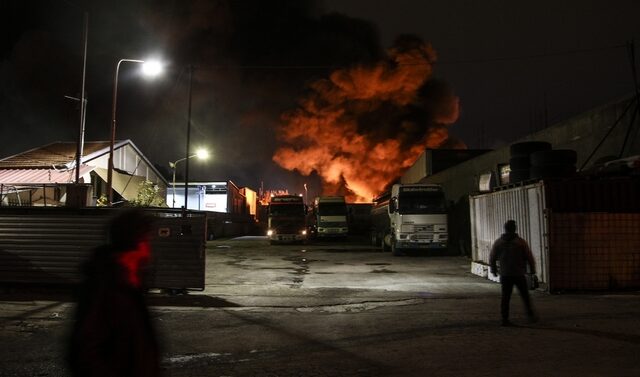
520 159
557 163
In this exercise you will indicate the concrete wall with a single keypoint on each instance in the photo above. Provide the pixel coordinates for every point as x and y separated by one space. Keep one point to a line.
462 179
433 161
417 171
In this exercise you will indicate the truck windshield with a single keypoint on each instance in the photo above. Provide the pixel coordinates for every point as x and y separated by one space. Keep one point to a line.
421 203
286 210
331 209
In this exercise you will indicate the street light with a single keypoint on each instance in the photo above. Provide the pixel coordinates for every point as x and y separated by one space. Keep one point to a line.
150 68
201 154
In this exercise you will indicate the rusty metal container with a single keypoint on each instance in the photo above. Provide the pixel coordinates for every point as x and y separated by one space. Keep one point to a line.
47 245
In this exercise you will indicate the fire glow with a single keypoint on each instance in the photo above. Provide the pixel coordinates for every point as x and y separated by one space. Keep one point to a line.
363 126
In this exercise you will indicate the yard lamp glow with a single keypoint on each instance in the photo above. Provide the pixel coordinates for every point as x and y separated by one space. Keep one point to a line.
150 69
201 154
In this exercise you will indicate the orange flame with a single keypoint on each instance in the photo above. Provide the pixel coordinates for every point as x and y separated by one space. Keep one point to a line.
334 133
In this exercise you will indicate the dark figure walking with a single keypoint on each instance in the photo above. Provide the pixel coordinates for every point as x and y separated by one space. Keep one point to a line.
113 334
514 253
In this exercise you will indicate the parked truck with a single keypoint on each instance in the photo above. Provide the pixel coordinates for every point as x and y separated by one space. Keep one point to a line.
329 217
410 216
287 219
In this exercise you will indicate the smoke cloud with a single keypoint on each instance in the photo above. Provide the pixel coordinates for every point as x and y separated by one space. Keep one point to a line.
252 61
362 126
356 105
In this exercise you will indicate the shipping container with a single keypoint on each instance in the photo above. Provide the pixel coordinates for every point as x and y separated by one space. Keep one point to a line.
583 232
525 205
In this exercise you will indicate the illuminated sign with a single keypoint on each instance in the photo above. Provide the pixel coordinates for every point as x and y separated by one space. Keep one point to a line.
286 199
484 183
421 189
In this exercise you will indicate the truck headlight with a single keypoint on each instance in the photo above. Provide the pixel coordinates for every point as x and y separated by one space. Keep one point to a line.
304 232
270 232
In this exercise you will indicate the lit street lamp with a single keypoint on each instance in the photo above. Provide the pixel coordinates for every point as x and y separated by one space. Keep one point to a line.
201 154
150 68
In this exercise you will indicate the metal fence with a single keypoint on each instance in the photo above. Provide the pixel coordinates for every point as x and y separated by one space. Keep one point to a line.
47 245
44 195
594 251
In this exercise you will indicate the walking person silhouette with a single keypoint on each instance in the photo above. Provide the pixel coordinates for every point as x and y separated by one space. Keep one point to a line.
514 254
113 334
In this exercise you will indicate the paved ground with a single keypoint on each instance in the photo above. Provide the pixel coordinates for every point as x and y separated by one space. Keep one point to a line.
345 310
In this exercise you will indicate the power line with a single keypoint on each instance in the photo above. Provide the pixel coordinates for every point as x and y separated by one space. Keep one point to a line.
417 63
534 56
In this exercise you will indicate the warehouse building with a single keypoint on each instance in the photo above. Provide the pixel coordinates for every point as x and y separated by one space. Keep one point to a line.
582 226
607 132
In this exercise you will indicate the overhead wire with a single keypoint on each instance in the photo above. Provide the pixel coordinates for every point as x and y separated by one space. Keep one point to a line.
443 62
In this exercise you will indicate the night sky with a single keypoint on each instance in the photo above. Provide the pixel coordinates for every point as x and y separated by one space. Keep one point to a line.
511 66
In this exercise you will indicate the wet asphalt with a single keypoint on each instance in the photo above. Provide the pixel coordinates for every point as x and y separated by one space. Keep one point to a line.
341 308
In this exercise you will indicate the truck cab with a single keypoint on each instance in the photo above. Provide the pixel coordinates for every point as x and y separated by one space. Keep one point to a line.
410 216
330 217
286 219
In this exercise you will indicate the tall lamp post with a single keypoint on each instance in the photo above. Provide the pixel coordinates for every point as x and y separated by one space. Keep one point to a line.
150 68
201 154
186 166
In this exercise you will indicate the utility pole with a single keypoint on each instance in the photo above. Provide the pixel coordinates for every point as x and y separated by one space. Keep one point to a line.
186 168
83 101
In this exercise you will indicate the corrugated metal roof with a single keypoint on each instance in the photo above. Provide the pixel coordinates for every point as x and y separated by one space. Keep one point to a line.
54 154
40 176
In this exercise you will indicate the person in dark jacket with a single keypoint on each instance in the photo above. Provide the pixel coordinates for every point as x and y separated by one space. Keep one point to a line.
113 334
514 254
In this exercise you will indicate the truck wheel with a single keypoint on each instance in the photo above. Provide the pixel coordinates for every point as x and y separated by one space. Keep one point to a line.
394 249
385 247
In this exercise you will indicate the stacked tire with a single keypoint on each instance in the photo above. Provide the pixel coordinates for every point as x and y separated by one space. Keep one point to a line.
557 163
520 159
